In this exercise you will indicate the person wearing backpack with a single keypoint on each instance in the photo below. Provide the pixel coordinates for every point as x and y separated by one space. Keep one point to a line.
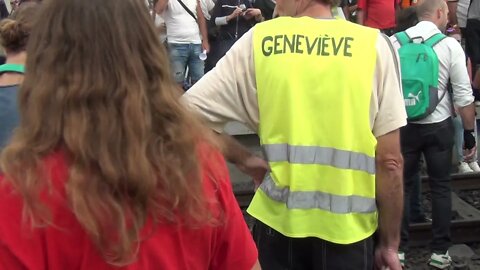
429 62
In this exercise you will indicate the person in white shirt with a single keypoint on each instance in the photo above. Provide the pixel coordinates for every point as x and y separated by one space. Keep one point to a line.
433 135
187 37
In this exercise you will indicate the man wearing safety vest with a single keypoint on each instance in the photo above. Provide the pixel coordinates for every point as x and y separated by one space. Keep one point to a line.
325 99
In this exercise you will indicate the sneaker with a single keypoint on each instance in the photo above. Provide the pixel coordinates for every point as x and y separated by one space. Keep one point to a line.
401 258
474 166
421 219
440 261
464 168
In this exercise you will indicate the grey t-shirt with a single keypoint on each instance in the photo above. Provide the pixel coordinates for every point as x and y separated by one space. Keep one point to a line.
9 116
462 10
474 10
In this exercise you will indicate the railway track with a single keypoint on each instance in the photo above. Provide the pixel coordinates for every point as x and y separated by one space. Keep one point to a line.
460 181
465 228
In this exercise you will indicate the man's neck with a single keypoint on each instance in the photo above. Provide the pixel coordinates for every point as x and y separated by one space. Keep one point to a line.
315 9
427 19
16 58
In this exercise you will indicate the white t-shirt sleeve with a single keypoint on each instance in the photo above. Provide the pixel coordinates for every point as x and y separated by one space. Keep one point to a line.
462 89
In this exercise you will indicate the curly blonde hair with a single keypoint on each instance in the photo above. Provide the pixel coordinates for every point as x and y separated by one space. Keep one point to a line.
99 88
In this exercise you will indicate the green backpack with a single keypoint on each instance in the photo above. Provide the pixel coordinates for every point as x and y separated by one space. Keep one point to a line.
419 66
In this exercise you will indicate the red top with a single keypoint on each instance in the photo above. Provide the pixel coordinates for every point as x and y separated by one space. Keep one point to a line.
379 14
66 245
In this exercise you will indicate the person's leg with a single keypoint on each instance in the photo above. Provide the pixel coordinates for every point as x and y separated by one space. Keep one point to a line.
356 256
276 251
416 212
411 150
178 59
438 155
475 158
273 247
195 65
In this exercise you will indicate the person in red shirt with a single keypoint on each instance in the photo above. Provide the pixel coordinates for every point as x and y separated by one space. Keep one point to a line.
379 14
107 169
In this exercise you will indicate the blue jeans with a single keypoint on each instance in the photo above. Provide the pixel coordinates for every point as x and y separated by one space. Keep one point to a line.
183 56
457 123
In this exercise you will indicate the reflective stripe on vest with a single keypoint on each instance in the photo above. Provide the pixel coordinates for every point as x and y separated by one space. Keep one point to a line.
317 199
320 155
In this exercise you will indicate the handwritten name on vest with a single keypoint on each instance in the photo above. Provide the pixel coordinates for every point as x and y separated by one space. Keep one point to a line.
300 44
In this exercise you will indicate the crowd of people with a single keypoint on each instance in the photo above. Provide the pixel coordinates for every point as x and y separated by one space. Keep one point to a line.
112 142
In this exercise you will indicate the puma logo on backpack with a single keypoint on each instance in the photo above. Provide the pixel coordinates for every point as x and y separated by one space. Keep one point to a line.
412 99
419 65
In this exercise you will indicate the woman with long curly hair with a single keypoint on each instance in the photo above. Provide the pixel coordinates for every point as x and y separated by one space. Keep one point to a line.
107 170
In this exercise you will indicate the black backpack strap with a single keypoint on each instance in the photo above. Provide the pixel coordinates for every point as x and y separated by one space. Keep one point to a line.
187 10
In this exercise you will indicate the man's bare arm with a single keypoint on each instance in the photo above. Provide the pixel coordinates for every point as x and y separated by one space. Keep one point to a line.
245 160
452 13
202 25
389 189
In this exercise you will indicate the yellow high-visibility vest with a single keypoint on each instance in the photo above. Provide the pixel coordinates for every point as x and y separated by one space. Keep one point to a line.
314 81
